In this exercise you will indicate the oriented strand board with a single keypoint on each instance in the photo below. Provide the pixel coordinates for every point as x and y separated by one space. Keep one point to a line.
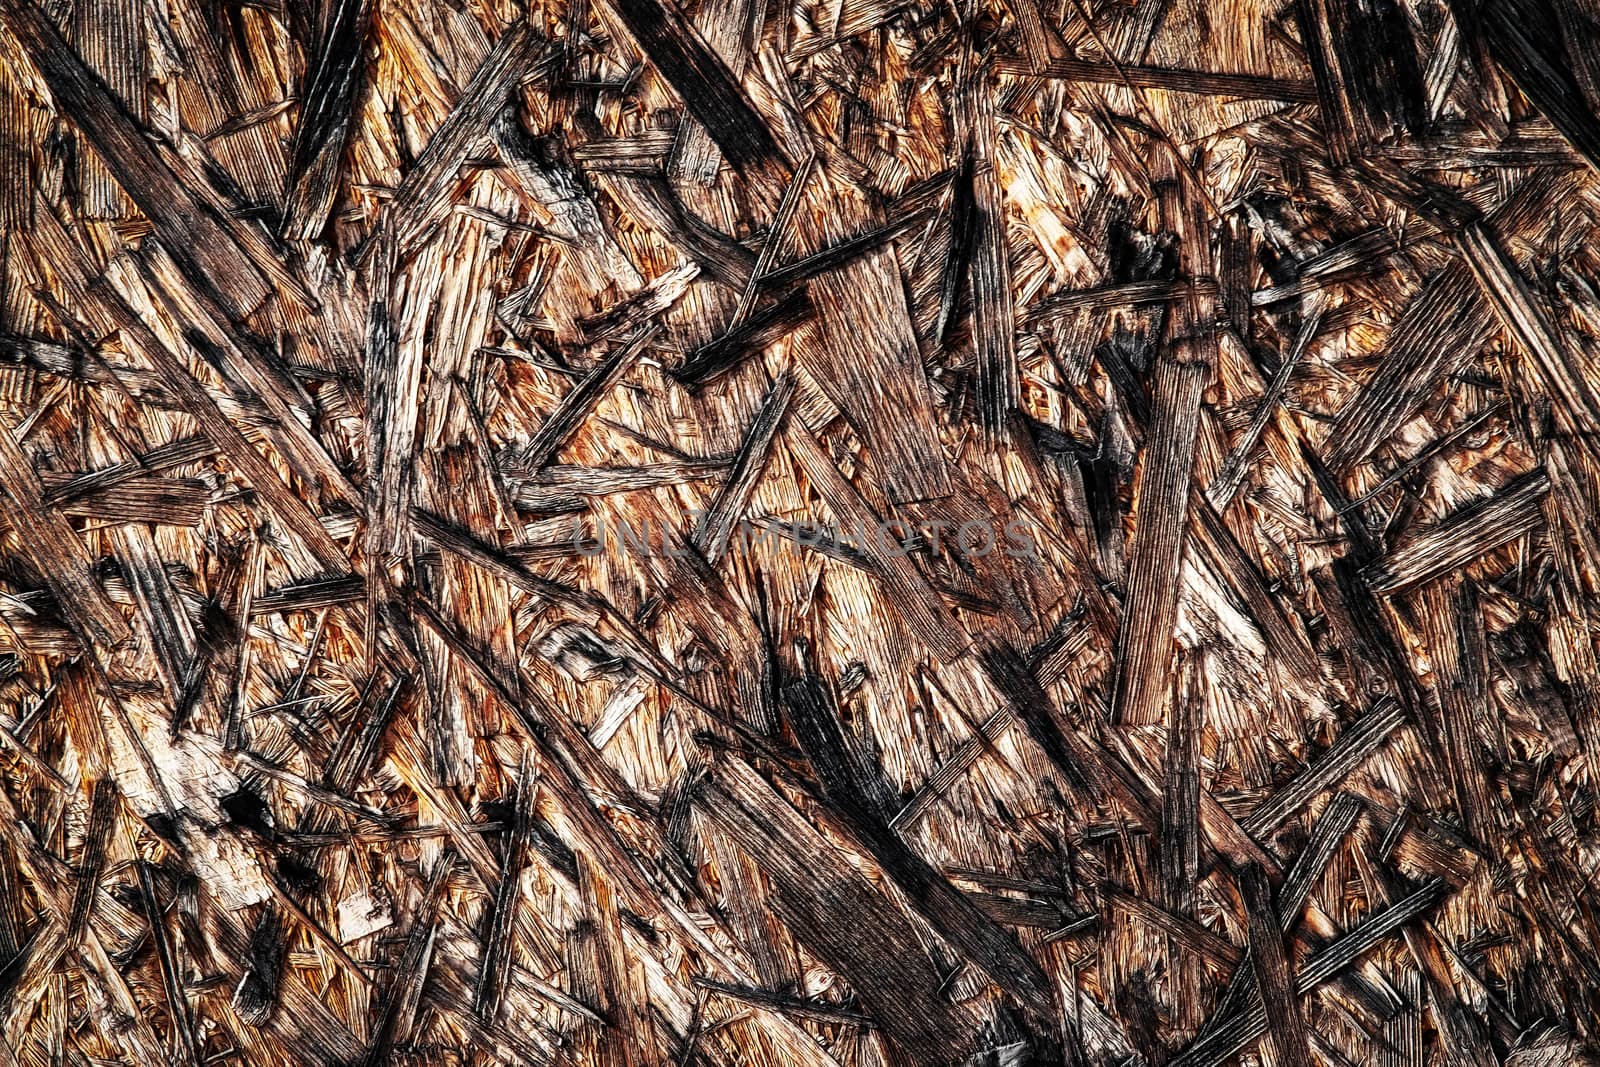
838 533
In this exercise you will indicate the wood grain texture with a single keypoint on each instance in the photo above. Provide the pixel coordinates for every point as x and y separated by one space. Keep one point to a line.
784 533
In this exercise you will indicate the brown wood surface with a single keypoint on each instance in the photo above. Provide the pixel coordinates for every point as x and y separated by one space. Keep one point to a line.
837 533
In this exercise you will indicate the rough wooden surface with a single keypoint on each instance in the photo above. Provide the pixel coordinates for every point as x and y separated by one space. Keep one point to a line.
837 533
